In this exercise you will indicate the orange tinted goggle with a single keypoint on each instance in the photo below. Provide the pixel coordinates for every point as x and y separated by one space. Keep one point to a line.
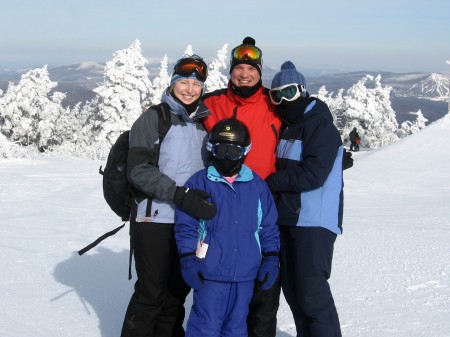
188 66
247 52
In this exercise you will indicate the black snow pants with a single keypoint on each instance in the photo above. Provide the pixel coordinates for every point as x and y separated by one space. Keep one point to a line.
262 315
156 307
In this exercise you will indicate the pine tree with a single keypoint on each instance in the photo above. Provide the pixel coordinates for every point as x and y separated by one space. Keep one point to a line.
189 51
161 82
29 115
217 80
335 104
69 125
12 150
408 128
370 111
122 95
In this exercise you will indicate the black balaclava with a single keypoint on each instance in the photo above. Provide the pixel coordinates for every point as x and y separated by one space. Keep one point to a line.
245 92
292 112
226 166
229 131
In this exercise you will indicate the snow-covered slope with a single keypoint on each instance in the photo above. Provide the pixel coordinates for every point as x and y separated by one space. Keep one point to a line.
391 275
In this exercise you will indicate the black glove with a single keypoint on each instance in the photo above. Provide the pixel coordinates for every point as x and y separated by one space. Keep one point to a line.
194 203
347 160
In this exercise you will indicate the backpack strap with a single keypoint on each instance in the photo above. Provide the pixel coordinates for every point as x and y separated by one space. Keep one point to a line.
100 239
164 120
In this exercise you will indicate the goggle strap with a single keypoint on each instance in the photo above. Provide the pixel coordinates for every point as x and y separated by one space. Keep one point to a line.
246 149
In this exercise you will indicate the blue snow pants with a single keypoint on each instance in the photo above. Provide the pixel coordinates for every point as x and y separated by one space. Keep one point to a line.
220 309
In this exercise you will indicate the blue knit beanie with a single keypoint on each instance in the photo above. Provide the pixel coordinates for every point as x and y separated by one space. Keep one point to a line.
177 77
287 75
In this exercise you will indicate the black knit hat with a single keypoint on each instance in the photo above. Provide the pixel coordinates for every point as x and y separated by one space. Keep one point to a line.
247 53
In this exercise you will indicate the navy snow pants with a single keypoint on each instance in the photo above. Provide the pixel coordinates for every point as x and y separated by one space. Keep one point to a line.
305 262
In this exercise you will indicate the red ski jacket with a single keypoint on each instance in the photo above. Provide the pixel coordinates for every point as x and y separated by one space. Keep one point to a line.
258 114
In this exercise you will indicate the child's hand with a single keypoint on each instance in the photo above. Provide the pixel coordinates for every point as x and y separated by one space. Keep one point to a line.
191 268
268 272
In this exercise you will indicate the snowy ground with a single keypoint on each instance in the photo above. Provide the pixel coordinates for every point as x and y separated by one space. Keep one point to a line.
391 273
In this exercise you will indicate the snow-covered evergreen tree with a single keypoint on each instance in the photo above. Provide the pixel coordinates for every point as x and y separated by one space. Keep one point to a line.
69 125
336 105
12 150
78 139
161 82
370 111
86 116
28 113
189 51
408 128
124 92
217 80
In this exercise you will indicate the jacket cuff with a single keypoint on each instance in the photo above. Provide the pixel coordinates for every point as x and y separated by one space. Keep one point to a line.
187 254
271 254
171 192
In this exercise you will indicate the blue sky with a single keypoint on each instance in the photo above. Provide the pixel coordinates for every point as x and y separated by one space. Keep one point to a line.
345 35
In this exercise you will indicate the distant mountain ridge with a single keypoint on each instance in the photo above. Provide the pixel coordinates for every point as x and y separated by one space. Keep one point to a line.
428 92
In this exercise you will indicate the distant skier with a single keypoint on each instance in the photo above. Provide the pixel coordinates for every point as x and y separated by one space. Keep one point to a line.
354 140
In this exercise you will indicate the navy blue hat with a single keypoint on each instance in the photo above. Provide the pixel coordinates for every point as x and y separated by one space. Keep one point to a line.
288 75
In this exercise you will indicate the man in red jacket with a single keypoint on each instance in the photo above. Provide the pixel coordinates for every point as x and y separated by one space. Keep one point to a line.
247 100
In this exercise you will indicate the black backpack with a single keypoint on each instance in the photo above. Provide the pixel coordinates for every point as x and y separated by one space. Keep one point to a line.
116 188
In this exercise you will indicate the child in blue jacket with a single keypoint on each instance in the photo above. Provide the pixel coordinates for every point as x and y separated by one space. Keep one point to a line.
222 257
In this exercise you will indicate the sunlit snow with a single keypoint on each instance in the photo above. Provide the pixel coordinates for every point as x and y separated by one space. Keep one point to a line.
391 272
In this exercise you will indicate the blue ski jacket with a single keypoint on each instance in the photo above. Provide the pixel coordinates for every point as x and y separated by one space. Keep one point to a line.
309 180
243 229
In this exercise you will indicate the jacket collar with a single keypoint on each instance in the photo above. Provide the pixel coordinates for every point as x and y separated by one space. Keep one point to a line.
245 174
178 109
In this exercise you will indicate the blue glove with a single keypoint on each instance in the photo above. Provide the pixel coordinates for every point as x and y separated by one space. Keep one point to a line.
268 271
191 267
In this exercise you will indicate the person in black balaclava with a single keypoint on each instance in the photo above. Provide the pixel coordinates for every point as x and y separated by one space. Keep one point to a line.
229 143
223 257
309 185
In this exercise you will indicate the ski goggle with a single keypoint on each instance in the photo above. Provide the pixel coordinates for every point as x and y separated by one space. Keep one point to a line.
287 92
223 150
189 65
247 52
